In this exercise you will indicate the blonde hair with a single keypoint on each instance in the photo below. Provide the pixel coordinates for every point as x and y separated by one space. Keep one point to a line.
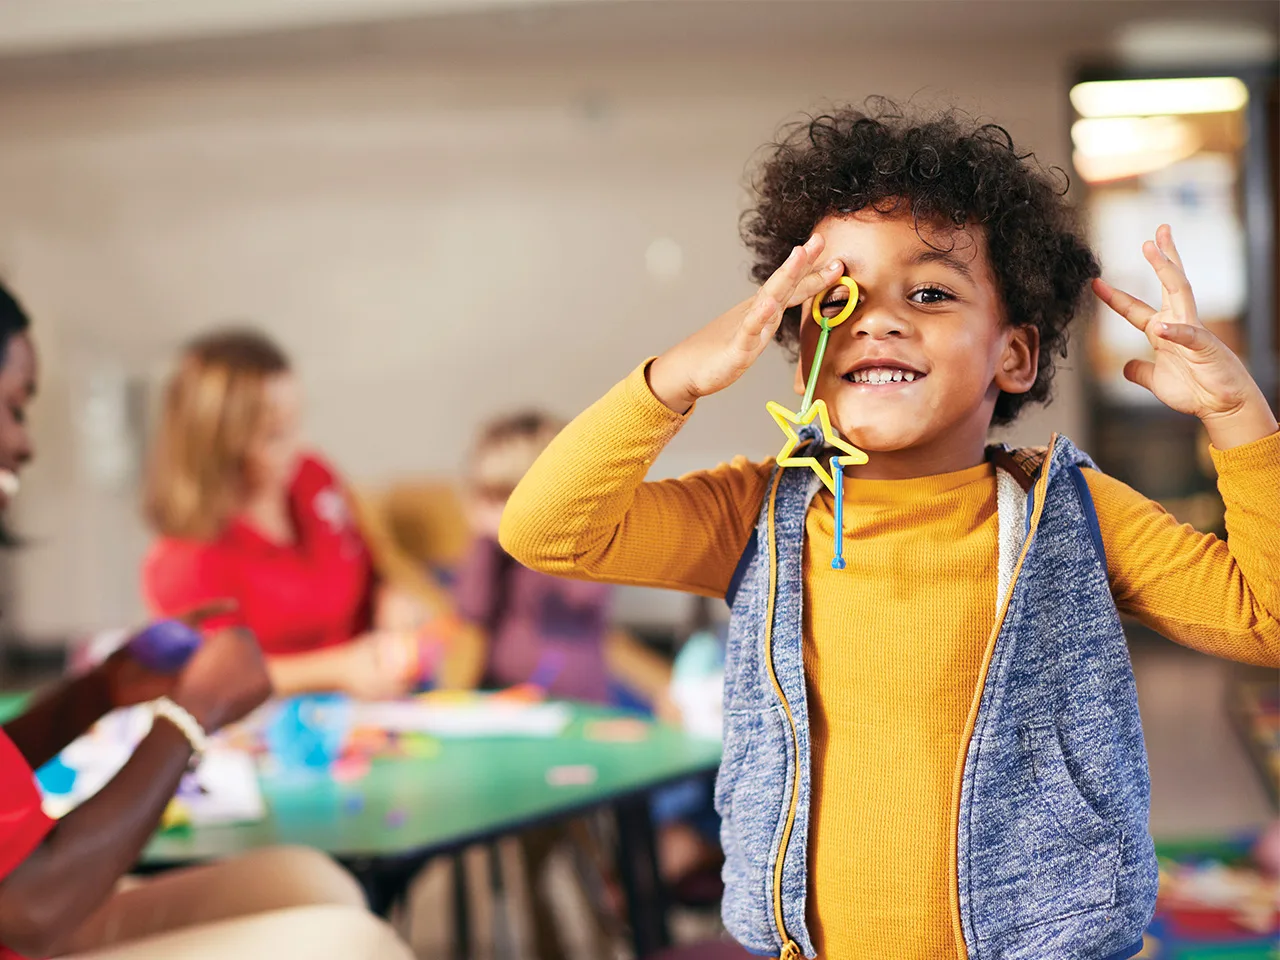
505 450
212 407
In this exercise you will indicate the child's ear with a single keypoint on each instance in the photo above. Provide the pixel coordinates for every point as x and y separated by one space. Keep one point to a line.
1020 361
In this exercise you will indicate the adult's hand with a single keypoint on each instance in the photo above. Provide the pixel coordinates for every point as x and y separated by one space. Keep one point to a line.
129 681
378 665
68 708
46 897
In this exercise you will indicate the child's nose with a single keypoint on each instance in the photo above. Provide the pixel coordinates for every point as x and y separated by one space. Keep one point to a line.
879 322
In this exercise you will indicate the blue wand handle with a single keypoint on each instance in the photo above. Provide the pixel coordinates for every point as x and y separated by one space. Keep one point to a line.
837 475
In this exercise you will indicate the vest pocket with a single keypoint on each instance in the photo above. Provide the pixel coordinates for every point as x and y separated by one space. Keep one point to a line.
752 799
1040 852
735 748
751 787
1059 793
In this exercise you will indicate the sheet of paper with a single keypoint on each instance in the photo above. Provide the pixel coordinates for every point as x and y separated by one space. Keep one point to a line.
476 718
223 789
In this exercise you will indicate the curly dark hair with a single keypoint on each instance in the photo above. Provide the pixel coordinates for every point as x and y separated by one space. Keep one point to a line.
947 170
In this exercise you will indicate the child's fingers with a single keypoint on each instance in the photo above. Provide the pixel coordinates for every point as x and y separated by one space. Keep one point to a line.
1186 335
796 267
816 282
1128 306
765 313
763 316
773 292
1141 372
1164 240
1181 300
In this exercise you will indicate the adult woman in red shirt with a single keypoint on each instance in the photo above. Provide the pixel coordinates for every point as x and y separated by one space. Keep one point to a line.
58 879
243 512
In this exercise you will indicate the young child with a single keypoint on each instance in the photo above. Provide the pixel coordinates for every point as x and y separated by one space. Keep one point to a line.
935 752
546 630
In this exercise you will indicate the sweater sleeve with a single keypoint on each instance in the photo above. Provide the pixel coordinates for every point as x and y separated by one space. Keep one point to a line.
1221 597
584 510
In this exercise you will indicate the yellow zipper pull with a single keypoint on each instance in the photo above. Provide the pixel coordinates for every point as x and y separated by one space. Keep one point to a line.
790 951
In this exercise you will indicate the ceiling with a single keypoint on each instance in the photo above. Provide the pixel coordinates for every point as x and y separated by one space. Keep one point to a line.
60 35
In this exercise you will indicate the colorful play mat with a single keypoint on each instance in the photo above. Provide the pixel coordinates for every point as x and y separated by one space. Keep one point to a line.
1215 904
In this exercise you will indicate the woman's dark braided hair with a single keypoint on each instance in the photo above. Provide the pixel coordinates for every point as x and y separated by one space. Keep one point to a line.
13 322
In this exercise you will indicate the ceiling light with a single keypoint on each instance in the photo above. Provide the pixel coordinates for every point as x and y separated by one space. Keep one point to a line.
1111 136
1116 148
1144 98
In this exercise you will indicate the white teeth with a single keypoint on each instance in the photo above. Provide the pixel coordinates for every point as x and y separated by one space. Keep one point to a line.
878 375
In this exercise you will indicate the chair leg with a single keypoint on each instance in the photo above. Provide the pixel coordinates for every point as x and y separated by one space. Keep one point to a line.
536 846
461 913
598 879
638 865
504 945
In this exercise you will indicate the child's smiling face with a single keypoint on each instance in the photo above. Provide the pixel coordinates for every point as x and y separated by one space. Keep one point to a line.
913 376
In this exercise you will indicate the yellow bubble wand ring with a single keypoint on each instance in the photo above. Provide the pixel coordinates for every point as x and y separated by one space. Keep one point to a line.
827 324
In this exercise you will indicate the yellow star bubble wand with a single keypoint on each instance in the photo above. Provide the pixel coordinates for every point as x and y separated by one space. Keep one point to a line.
811 409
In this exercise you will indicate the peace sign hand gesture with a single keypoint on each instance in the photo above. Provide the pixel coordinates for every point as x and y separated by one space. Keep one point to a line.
1193 372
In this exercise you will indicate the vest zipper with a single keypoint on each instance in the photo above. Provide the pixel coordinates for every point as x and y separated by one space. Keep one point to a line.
1041 486
790 949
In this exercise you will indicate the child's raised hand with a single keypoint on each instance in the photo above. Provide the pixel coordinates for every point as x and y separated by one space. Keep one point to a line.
1193 372
721 352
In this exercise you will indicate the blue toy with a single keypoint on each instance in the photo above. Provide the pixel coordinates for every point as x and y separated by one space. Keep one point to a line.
837 473
310 732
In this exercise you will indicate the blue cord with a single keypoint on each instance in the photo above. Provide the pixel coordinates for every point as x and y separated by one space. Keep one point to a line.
837 474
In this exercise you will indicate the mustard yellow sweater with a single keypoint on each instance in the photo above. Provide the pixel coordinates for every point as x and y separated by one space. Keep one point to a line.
893 644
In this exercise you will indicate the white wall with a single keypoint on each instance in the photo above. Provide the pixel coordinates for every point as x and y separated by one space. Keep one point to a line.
433 241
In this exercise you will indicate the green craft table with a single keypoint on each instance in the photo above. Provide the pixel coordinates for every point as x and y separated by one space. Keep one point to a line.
408 810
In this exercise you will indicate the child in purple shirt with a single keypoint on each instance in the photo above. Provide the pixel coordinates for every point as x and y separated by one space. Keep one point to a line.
543 630
553 633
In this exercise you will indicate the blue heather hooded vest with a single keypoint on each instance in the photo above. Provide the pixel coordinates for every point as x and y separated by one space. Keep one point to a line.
1053 858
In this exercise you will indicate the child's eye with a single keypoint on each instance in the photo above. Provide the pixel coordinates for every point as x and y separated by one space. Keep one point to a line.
930 295
837 300
833 305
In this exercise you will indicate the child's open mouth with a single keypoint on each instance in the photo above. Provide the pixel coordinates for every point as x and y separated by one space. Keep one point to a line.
882 372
